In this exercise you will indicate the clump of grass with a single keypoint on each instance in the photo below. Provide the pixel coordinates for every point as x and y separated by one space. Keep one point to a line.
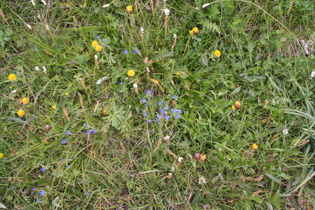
156 105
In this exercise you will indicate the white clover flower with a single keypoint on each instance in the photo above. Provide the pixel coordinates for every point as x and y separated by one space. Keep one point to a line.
37 68
180 159
95 56
202 180
285 131
167 12
167 138
135 85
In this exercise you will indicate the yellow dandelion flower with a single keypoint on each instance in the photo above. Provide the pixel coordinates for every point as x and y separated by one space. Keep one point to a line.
12 77
94 43
177 73
237 104
1 155
66 94
131 73
254 147
54 107
98 48
194 31
129 9
217 53
21 113
25 101
233 107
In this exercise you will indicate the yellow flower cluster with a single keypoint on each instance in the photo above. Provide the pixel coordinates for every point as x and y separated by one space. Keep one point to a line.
97 47
129 9
194 31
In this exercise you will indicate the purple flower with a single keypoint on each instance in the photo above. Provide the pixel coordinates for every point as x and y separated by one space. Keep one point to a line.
43 169
134 52
86 126
68 133
167 117
143 100
157 120
149 120
105 40
175 97
159 116
125 52
148 92
42 192
97 37
166 107
94 131
86 193
88 132
179 111
37 200
173 110
121 83
160 103
177 116
33 189
64 141
145 114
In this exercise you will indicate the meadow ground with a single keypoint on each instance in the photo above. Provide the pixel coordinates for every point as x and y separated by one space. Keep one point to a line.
157 104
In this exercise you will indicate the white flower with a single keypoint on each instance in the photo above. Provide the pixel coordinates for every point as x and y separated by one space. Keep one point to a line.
44 69
36 68
142 30
175 36
312 74
135 85
202 180
167 12
95 56
180 159
285 131
167 138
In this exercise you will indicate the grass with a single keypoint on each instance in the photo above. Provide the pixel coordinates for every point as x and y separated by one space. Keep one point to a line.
93 137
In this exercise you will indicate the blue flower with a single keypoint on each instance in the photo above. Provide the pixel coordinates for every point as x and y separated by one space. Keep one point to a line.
33 189
94 131
67 166
173 110
86 193
143 100
149 120
86 126
121 83
166 107
125 52
167 117
88 132
43 169
97 37
159 116
177 116
68 133
148 92
145 114
134 52
42 192
105 40
37 200
160 103
157 120
175 97
179 111
64 141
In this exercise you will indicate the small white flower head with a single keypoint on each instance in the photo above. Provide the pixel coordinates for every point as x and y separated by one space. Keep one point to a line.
135 85
175 36
202 180
180 159
312 74
37 68
167 12
95 56
33 2
167 138
44 69
285 131
142 30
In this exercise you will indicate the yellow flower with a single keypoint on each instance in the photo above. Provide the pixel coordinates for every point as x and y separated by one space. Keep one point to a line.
12 77
194 31
203 157
131 73
129 9
236 105
53 107
66 94
25 100
254 147
21 113
217 53
1 155
98 48
94 43
177 74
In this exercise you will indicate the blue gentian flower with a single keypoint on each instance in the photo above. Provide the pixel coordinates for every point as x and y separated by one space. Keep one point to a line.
166 107
64 141
88 132
42 192
94 131
105 40
160 103
145 114
167 117
143 100
149 120
68 133
43 169
175 97
177 116
134 52
179 111
121 83
148 92
125 52
37 200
